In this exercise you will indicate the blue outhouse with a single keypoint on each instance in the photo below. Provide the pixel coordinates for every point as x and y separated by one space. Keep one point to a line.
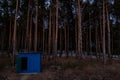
28 62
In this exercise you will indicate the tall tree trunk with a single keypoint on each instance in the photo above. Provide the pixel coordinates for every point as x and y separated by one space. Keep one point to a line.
65 37
27 29
36 26
49 46
56 31
90 36
3 38
108 34
96 39
76 34
87 43
10 34
79 32
112 41
14 32
22 40
61 41
19 39
67 40
46 41
43 36
103 36
30 33
53 34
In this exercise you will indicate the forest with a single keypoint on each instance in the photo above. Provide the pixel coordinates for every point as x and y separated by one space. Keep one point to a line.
80 29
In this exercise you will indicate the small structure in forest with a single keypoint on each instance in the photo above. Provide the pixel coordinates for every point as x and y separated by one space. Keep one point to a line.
28 62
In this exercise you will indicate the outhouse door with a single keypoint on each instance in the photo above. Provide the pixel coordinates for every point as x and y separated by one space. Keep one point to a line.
22 64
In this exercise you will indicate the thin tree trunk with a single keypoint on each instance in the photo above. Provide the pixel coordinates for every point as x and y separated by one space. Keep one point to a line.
103 37
112 41
101 34
96 39
36 26
30 33
87 42
27 31
14 32
10 33
99 49
49 46
60 41
43 37
79 31
53 34
90 36
65 37
19 39
3 39
56 31
67 40
108 28
76 34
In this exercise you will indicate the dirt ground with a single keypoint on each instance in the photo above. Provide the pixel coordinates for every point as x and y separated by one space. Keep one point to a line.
64 69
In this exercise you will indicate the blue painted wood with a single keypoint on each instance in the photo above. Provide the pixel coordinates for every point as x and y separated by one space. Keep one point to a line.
34 64
18 66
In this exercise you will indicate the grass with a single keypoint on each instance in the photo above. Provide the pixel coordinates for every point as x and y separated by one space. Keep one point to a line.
4 62
70 68
73 65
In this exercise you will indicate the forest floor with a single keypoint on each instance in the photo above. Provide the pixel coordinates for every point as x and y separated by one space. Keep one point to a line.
64 69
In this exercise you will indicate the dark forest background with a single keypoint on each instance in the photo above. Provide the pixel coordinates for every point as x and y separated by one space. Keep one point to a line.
66 27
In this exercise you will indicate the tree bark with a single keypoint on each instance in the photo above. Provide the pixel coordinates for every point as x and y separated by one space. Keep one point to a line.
61 41
56 31
36 26
96 39
14 32
10 34
76 34
65 37
49 46
103 36
43 37
108 34
79 31
30 33
90 36
27 29
68 41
